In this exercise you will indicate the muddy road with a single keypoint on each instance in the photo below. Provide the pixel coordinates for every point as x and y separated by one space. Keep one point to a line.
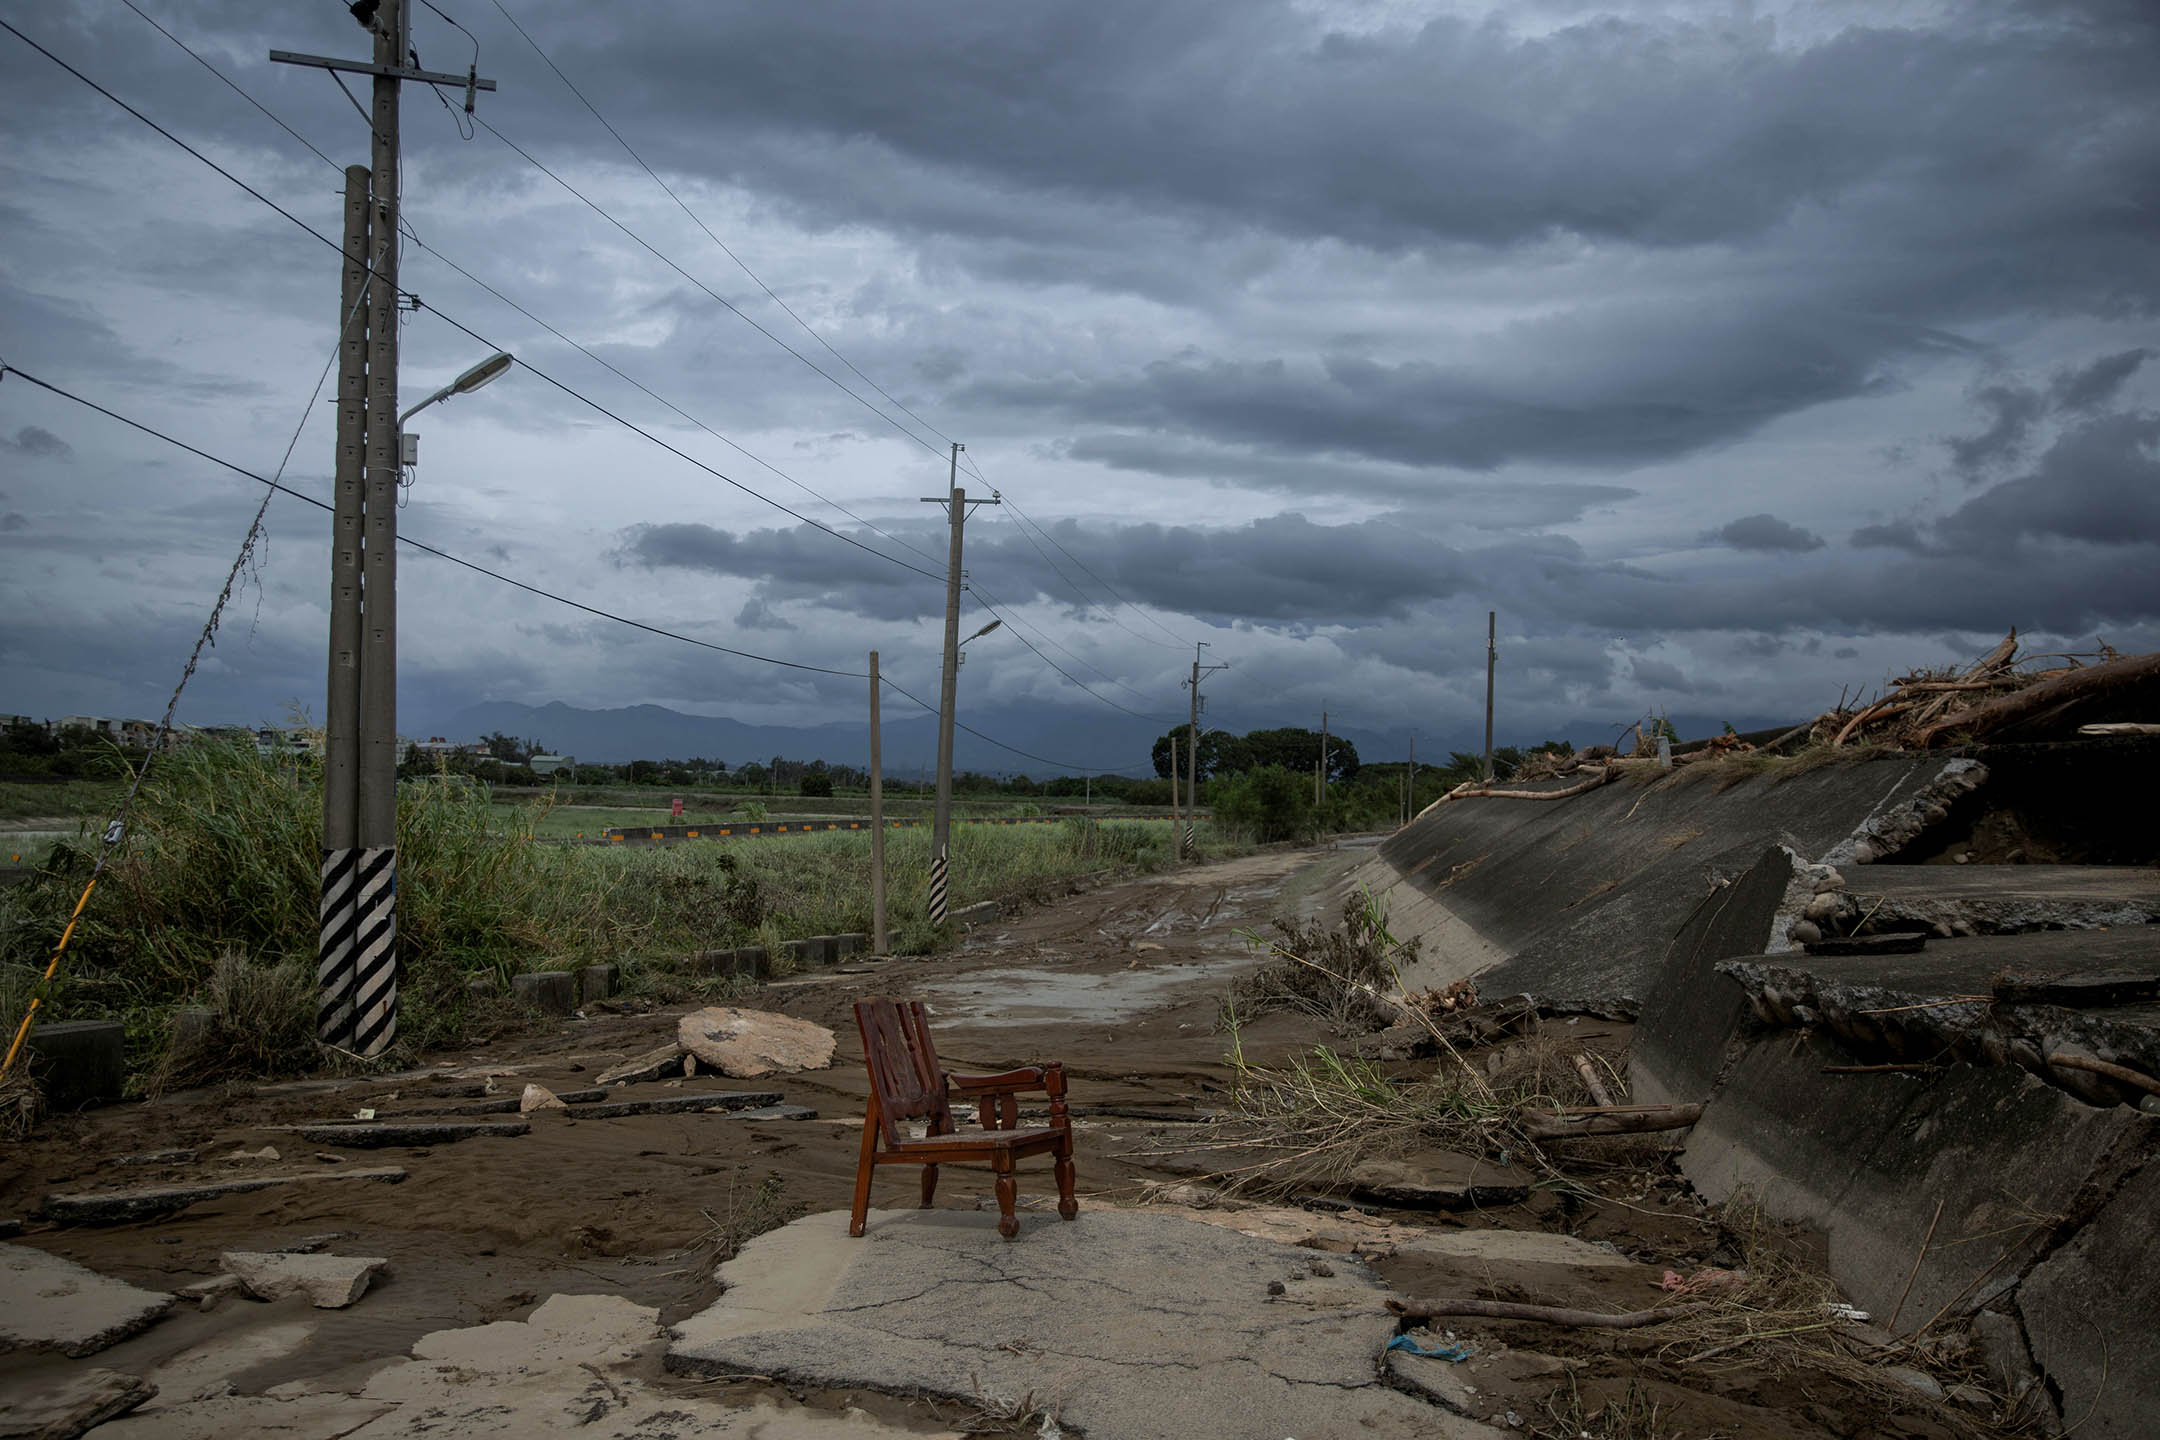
1123 984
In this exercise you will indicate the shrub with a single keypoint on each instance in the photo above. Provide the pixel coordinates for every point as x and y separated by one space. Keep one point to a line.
1269 804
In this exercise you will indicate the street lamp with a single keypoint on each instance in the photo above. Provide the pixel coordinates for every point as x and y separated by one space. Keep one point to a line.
979 634
489 369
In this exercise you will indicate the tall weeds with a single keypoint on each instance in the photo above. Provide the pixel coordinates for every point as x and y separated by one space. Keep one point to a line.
221 869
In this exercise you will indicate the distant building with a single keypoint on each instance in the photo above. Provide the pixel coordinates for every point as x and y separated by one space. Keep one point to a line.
553 764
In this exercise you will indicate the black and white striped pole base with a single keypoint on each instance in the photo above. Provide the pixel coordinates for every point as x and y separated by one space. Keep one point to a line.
334 951
1188 838
937 890
375 997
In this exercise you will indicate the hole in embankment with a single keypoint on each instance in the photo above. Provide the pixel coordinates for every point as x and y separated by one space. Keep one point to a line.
2082 802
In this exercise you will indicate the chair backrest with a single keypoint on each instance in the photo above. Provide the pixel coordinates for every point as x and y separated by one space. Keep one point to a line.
905 1077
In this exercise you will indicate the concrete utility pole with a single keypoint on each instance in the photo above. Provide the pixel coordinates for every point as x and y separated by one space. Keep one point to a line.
956 505
877 820
341 719
1319 789
358 960
1192 771
1492 658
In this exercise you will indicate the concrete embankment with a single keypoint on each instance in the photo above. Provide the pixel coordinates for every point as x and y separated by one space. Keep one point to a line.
1953 1104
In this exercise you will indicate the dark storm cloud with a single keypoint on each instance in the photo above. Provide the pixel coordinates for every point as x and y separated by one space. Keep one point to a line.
2095 385
1170 151
1765 532
2016 410
2098 484
2013 410
800 563
1659 675
1510 504
36 440
757 615
1604 397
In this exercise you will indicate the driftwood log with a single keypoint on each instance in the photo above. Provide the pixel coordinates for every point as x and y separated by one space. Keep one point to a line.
1544 1314
2069 688
1615 1120
2137 1080
1592 1081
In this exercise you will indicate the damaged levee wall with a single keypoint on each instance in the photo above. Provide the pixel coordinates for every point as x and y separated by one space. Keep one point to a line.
1582 901
1642 898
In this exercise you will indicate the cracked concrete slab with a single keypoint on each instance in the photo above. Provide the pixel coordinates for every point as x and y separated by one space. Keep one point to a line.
572 1367
1132 1323
55 1304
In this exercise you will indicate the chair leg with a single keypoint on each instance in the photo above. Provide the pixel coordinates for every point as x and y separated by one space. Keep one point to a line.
1068 1206
929 1185
1008 1194
863 1167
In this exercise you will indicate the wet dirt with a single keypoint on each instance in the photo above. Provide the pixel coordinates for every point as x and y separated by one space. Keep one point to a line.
1123 984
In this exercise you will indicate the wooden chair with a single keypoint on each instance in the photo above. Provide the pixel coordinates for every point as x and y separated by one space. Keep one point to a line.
907 1083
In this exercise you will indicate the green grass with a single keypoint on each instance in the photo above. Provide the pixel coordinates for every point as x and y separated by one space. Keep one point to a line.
221 869
74 800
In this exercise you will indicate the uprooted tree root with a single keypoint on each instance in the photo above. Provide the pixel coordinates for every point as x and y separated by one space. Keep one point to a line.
1343 976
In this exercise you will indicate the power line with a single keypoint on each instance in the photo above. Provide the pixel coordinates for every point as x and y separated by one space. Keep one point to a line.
1106 585
153 24
992 603
647 391
1014 749
724 248
566 389
730 305
594 610
283 489
506 300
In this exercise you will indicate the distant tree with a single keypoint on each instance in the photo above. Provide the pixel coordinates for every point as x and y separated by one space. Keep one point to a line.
508 748
1220 752
816 784
27 737
643 772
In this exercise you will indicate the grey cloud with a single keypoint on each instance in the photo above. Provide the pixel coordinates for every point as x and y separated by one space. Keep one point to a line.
1765 532
2099 483
2013 410
37 441
1890 535
757 615
1495 505
1659 675
2092 386
12 521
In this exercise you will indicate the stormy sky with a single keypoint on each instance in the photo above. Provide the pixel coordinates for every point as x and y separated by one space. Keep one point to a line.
1736 354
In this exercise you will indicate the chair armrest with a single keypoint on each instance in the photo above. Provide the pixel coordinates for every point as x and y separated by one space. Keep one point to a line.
1027 1077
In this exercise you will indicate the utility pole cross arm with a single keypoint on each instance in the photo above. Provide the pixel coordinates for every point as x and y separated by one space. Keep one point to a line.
387 72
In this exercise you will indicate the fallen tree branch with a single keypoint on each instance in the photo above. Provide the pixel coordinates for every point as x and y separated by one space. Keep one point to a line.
2135 1079
2125 728
1592 1081
1545 1125
1877 711
2070 687
1604 776
1544 1314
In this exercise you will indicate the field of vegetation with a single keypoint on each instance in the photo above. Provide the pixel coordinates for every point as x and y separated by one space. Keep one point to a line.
585 811
213 902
